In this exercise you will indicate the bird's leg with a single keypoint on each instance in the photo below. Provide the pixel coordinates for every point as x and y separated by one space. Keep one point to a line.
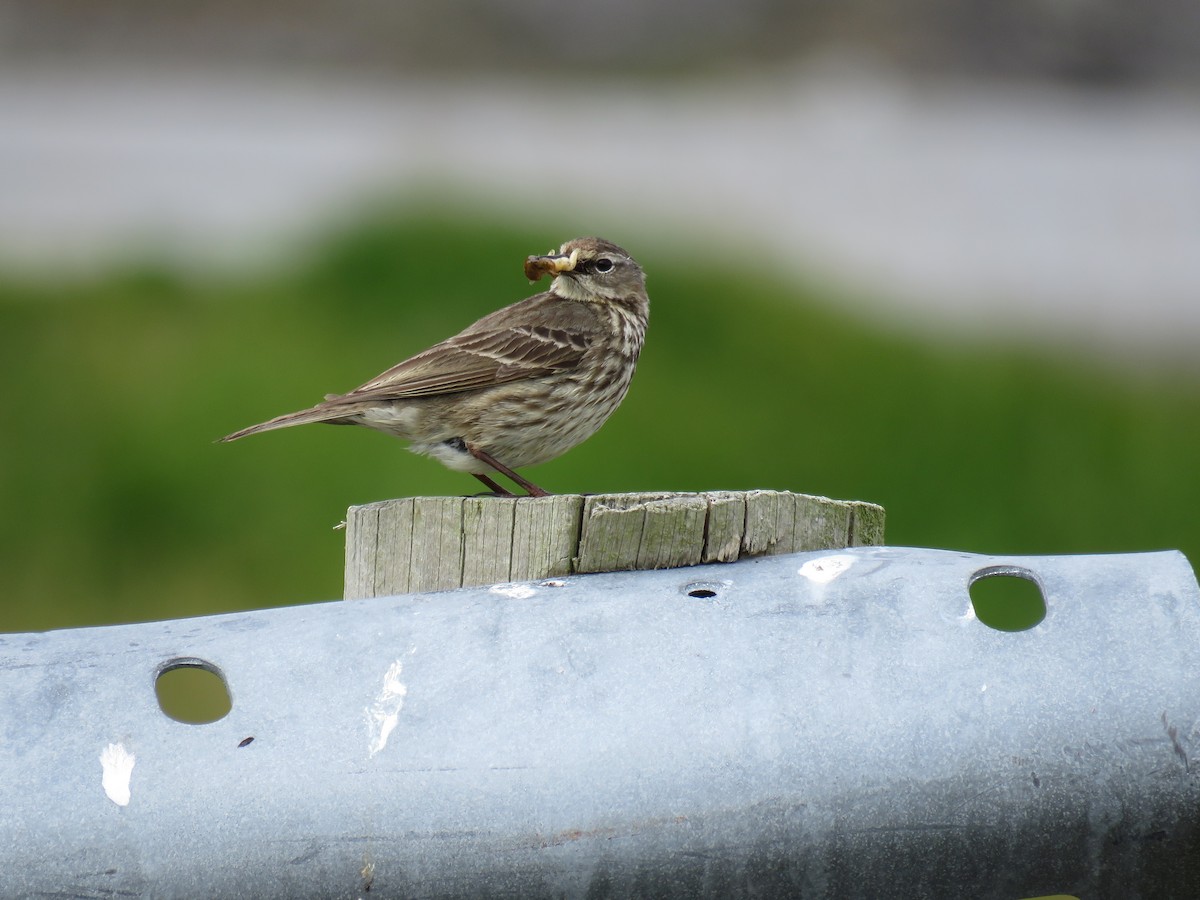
461 446
532 489
492 486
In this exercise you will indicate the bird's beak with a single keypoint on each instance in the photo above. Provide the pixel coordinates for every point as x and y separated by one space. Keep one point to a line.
537 266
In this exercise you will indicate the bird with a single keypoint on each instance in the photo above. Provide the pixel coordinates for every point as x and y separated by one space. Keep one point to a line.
520 386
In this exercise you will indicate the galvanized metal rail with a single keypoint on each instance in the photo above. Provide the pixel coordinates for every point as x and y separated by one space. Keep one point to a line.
833 724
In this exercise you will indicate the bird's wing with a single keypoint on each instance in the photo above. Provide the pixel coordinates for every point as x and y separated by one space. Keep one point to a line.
476 359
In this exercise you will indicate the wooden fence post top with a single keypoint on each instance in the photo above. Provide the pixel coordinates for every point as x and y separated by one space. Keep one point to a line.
436 543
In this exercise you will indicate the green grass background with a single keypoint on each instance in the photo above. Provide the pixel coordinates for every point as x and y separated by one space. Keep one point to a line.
118 505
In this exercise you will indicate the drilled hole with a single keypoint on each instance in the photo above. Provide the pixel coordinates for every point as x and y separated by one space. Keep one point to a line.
1007 598
702 590
192 691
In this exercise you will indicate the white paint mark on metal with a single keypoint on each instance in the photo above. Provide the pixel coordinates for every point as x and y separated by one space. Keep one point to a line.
384 713
827 568
117 763
514 591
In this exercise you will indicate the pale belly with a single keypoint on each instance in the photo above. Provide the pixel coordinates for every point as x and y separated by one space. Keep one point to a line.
512 423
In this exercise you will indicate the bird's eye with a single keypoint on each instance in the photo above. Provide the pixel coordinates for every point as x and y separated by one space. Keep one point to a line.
603 264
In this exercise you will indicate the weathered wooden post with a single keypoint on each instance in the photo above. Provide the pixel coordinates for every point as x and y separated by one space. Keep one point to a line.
438 543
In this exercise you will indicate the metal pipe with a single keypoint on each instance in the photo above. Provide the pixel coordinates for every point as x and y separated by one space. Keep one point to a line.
835 724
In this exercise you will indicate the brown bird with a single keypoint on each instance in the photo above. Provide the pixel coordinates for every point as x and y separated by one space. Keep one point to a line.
522 385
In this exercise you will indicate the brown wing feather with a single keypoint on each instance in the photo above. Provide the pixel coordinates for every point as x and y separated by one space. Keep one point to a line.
476 360
505 346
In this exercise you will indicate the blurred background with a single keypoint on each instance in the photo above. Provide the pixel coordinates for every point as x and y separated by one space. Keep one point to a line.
940 256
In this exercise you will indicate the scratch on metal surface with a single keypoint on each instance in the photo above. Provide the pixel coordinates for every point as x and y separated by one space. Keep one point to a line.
605 833
384 713
117 764
1173 734
900 829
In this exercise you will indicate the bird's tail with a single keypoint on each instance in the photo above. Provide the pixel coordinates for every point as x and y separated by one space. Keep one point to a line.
322 412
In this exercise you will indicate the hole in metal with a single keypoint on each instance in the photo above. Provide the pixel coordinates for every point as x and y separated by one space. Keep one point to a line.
702 590
192 691
1007 598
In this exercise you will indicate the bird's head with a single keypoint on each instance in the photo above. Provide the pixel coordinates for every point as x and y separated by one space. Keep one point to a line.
589 269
